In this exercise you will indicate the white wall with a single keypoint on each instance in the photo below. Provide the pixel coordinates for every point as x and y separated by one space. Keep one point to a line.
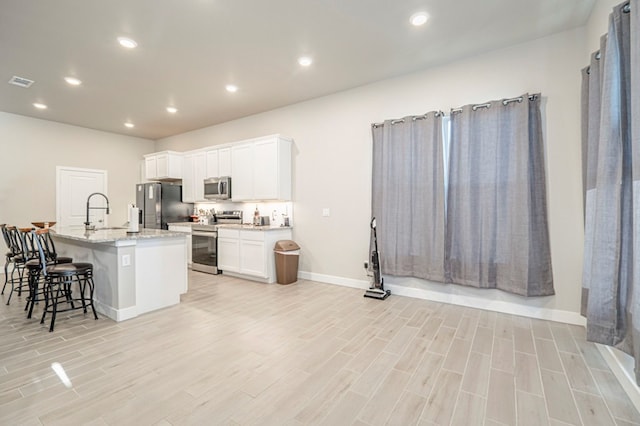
332 157
30 151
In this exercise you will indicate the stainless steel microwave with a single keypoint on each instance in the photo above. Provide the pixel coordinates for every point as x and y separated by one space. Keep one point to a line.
218 188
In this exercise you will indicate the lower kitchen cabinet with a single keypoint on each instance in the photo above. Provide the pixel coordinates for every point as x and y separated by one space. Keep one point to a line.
248 253
228 251
187 230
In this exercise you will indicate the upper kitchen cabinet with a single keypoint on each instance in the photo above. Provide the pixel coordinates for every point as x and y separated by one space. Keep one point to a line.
166 165
261 170
195 165
218 162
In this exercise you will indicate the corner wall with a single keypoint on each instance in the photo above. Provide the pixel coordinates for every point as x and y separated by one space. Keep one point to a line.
332 156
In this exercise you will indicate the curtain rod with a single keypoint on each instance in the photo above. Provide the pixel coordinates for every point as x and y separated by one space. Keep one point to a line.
488 104
414 118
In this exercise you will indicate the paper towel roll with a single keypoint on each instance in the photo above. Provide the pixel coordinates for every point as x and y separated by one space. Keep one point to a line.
133 219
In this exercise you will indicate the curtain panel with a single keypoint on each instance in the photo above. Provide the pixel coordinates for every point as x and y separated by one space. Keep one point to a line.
611 271
497 232
408 196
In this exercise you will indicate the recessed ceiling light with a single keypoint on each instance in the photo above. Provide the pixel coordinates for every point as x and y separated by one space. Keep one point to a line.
419 18
231 88
129 125
305 61
127 42
39 105
172 110
73 81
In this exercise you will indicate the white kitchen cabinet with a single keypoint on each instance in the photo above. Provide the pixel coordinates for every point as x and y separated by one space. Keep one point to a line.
186 229
218 162
224 162
261 170
193 177
213 169
242 172
229 250
248 253
166 165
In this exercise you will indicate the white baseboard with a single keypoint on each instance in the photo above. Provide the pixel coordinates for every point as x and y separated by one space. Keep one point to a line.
332 279
472 301
116 314
616 361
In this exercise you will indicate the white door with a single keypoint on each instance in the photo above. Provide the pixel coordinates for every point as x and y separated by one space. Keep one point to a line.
73 186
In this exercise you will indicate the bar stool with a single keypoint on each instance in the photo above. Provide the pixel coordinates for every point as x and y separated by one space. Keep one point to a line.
59 283
8 257
20 255
34 265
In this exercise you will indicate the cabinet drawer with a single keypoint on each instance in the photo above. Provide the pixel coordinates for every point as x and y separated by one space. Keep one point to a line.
228 233
252 235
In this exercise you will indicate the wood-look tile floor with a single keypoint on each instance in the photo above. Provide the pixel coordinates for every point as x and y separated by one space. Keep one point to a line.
236 352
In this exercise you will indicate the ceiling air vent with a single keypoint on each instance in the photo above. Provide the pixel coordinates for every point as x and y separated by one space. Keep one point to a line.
21 81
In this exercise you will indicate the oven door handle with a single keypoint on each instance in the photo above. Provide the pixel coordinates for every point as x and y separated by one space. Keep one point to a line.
209 234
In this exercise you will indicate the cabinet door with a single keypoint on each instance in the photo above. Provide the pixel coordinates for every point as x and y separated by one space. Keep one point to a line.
188 180
162 165
212 164
224 162
252 258
150 168
229 254
242 172
265 169
199 171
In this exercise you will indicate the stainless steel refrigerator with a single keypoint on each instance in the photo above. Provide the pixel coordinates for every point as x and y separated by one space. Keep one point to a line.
161 203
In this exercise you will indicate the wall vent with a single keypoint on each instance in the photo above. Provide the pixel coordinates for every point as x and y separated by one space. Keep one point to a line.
21 81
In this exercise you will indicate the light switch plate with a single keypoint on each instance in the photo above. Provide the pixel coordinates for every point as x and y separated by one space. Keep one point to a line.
326 212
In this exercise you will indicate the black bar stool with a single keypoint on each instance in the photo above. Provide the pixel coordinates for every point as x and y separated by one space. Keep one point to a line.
8 257
64 284
34 266
19 257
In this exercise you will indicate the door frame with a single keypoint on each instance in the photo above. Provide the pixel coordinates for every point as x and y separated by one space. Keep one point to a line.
59 170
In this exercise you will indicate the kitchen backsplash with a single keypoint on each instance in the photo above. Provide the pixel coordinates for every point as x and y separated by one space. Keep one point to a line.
276 211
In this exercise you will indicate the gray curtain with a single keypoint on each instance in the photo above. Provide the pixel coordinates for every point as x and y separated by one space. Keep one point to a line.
497 233
612 227
408 196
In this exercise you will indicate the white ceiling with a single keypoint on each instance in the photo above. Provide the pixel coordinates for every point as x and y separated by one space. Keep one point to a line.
188 50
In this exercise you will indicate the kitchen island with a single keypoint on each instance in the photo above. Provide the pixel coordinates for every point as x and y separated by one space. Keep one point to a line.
133 273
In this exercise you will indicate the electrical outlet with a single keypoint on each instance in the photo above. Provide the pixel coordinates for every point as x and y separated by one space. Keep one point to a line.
126 260
326 212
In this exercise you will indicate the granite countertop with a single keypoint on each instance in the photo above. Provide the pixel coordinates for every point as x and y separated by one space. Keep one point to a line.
234 226
109 235
252 227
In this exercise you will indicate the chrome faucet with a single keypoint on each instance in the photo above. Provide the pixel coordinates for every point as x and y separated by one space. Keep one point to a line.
87 224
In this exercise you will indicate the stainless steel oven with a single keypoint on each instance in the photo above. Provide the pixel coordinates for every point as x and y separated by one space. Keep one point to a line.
204 248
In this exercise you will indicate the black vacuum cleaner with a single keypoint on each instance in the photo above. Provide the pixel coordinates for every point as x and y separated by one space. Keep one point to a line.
376 291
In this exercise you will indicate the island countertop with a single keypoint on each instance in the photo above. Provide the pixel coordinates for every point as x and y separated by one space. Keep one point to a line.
112 235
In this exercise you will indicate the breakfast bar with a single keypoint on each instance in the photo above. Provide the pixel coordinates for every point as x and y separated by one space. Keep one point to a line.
133 273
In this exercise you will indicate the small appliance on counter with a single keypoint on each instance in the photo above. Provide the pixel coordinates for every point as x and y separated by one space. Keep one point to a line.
263 221
229 216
